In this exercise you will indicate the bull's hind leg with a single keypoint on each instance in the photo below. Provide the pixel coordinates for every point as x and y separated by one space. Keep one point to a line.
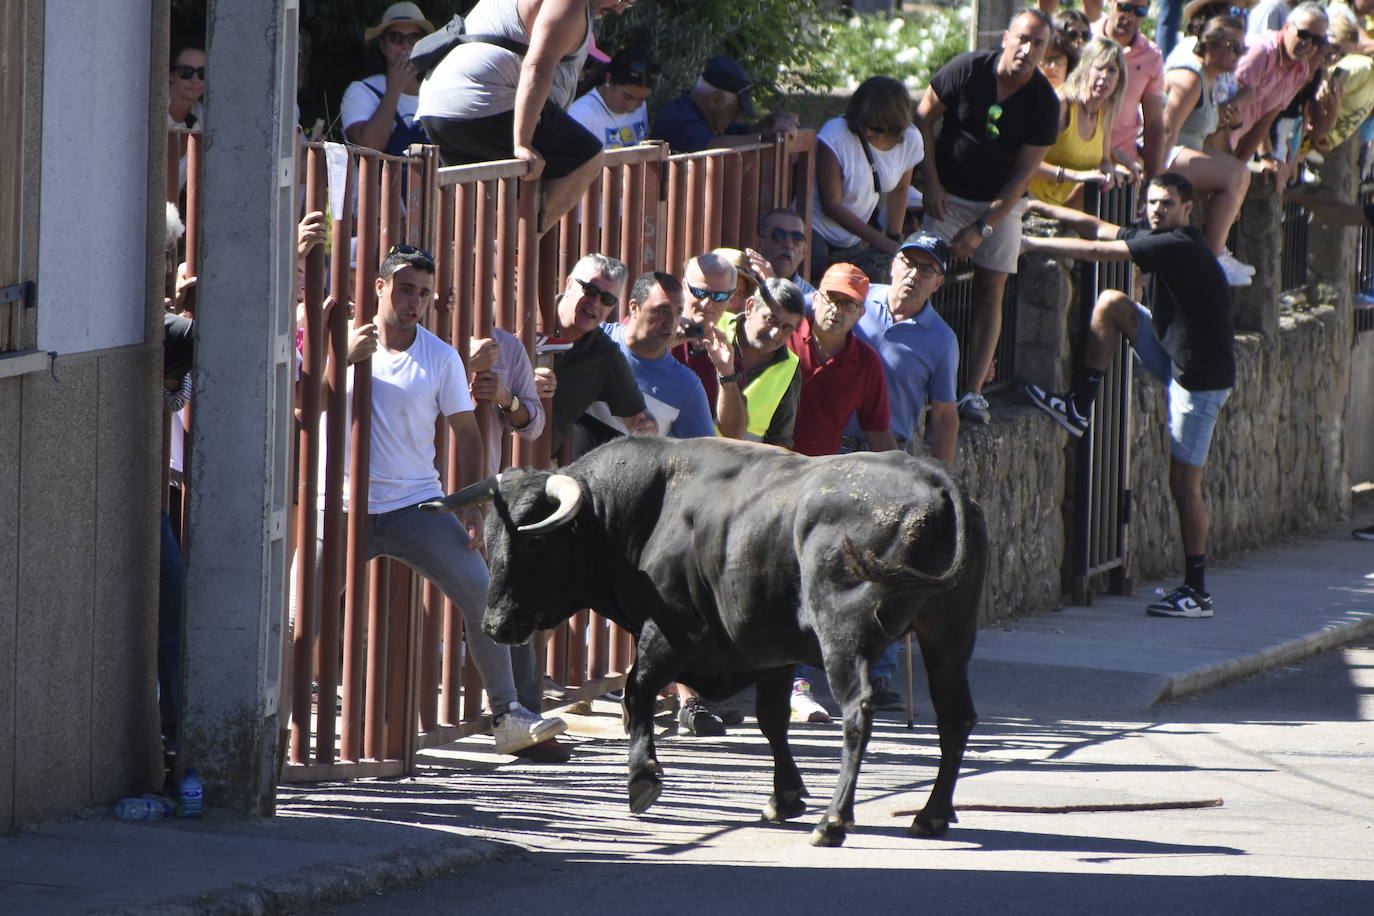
849 683
774 709
645 679
947 677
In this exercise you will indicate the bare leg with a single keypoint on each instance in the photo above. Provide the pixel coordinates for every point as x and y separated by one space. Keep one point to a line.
1185 483
1227 178
988 286
1114 314
562 194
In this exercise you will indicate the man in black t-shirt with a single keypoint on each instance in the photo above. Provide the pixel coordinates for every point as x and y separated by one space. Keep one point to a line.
1184 338
998 117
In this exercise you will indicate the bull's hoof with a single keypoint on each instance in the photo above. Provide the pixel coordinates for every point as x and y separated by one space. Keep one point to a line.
784 806
828 834
644 791
929 826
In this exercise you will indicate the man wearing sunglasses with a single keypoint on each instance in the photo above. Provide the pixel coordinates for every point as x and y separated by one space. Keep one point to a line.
782 247
617 111
710 280
379 112
1275 67
999 117
594 369
1141 111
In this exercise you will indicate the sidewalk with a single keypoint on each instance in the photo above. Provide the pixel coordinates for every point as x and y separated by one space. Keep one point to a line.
1274 608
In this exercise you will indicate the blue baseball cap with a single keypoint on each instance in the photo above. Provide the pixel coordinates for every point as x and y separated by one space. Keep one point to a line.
932 245
726 73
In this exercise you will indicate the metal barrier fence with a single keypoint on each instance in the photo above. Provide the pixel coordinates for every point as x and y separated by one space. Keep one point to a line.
1293 252
1102 464
392 652
1364 256
954 303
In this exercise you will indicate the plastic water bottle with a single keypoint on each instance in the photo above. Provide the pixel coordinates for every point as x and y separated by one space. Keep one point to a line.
146 808
190 794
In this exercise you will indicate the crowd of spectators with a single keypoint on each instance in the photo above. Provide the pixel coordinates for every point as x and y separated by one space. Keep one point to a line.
736 342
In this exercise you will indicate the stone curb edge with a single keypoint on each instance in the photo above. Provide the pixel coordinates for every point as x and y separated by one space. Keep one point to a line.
1181 686
328 882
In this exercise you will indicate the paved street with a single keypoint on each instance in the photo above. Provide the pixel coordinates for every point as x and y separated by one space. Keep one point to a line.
1288 752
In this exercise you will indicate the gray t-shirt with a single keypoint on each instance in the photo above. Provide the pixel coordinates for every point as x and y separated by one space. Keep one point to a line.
1202 120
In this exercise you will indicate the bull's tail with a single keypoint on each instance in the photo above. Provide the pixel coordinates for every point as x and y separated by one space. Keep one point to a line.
864 564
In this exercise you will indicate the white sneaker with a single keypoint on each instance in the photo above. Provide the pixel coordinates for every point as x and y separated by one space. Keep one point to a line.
1237 273
518 728
804 706
973 406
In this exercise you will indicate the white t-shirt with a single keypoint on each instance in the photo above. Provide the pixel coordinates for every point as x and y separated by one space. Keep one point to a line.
856 177
360 102
410 390
613 130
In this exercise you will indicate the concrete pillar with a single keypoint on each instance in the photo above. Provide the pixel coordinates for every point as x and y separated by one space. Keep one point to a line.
990 18
1259 241
243 376
1331 249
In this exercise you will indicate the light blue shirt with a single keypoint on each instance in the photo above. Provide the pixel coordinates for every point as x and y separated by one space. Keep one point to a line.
920 359
672 383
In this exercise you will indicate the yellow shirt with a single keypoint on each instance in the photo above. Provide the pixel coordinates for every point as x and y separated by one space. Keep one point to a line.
1072 152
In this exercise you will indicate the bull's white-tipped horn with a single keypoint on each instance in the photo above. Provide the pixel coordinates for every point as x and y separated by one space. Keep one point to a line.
473 493
567 493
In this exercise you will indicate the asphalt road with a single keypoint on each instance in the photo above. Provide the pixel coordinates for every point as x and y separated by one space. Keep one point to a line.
1288 753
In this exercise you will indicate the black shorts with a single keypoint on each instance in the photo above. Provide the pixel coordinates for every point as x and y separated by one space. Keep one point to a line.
564 143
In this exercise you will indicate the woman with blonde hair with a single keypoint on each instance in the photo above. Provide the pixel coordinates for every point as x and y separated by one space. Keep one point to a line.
1088 101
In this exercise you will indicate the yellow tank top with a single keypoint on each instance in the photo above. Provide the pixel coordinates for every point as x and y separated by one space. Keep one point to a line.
1072 152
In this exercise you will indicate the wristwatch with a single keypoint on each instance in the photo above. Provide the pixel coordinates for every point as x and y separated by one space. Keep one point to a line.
513 406
727 379
984 229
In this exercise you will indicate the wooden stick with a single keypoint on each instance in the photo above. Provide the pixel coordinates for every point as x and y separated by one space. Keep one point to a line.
1077 809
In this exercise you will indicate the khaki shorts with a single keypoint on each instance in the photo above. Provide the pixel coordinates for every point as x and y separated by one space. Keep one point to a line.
1001 250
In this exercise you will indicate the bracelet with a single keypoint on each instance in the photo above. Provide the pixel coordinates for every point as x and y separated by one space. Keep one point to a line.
727 379
1060 177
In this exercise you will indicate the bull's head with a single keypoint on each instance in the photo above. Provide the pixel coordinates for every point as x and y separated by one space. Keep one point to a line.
531 561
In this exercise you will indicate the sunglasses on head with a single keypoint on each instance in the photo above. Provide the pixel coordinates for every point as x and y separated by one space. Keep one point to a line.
185 71
409 249
1311 38
779 234
1140 10
715 295
608 299
994 113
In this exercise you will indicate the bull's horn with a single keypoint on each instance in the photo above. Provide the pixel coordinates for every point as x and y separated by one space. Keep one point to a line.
474 493
565 491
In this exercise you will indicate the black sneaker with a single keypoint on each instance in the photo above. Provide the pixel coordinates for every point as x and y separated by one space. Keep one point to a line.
1061 408
885 699
696 718
1364 534
1184 601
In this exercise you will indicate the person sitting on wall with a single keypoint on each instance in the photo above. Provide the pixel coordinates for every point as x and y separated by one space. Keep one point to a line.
1184 337
707 115
379 112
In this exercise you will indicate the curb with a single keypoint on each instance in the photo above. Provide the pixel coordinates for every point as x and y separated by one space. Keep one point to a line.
330 882
1182 686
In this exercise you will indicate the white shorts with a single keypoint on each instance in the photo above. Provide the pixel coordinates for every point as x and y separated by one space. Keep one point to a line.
1001 250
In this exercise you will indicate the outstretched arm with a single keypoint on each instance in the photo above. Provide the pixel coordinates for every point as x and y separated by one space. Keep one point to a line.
1084 224
1078 249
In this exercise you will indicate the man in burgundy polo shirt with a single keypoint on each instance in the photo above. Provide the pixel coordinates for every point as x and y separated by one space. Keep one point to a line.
710 283
841 375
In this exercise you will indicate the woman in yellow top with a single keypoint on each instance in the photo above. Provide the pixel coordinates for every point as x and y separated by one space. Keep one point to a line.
1087 102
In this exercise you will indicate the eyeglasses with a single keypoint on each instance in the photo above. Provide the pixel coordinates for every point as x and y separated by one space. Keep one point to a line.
403 38
410 249
1075 35
715 295
1311 38
780 234
845 304
607 299
1140 10
186 72
1234 47
883 131
993 131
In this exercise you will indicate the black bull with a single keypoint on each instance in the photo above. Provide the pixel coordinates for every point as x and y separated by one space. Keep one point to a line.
732 562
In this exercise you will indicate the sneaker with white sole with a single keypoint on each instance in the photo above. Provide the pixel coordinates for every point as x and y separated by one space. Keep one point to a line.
518 728
699 720
1364 534
804 705
1184 601
1061 409
1237 273
973 406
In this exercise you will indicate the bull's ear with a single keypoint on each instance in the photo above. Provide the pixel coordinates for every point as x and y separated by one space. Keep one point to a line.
566 492
471 495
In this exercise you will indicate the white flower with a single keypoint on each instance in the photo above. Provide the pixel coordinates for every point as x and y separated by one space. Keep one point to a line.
894 26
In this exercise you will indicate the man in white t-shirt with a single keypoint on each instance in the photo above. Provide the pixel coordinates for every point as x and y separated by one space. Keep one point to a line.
416 378
617 111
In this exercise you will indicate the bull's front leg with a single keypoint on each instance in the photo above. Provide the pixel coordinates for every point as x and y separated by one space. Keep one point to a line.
773 707
849 683
649 674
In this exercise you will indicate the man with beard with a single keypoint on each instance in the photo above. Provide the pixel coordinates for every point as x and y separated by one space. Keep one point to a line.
1141 112
1185 338
768 370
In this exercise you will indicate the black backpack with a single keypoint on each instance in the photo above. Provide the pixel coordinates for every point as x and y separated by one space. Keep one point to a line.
434 47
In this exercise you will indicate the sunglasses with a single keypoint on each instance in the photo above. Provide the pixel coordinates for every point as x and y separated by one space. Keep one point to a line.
186 72
607 299
1311 38
782 235
1234 47
1140 10
1074 35
994 113
409 249
403 38
715 295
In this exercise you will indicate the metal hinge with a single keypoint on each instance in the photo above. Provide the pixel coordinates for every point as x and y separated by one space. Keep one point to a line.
19 292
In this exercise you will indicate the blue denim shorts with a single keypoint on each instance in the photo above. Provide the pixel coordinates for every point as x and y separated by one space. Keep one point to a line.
1192 414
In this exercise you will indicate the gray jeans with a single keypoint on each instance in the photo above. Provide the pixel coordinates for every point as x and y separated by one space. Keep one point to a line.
436 547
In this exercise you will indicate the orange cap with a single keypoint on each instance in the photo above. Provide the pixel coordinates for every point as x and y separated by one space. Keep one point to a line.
845 279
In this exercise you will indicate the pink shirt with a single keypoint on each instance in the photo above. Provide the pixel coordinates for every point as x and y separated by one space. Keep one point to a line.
1144 77
1274 85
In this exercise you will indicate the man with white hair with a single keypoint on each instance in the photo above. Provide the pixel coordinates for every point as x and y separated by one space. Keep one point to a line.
707 115
1276 66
